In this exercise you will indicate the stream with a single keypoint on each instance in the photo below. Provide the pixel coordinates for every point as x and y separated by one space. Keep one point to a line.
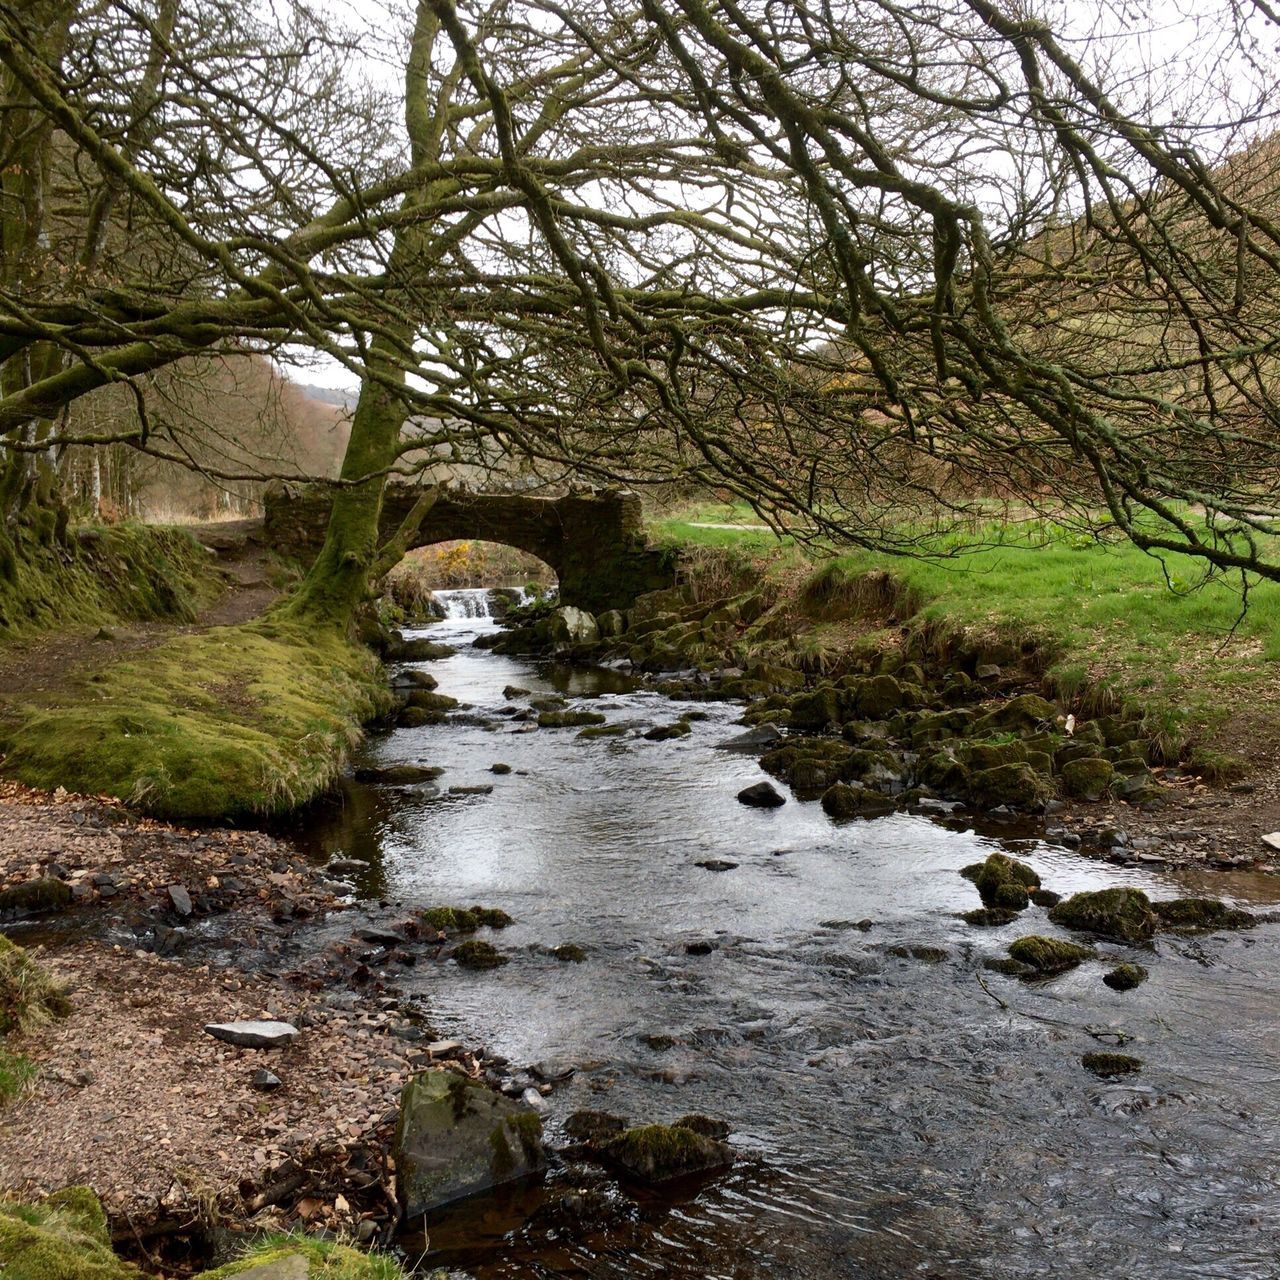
893 1116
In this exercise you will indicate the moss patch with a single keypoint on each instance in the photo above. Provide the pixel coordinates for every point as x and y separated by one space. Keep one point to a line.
120 573
1108 1065
62 1238
236 722
1124 977
655 1153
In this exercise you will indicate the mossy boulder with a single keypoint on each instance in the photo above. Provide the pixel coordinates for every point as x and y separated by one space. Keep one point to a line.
1123 914
876 697
943 772
456 1138
1048 955
1088 777
848 800
1201 915
1026 713
1016 785
1124 977
569 719
1110 1065
429 700
656 1153
63 1237
815 710
35 897
991 755
28 995
1004 882
808 766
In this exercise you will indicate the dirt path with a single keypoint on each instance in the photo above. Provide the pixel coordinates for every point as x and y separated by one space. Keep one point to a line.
50 660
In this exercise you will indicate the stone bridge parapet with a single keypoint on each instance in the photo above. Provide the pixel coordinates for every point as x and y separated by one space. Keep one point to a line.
594 541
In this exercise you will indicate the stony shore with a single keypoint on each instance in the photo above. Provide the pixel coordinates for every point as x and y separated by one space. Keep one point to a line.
169 1125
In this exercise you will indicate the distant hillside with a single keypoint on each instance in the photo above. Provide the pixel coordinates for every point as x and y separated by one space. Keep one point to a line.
338 396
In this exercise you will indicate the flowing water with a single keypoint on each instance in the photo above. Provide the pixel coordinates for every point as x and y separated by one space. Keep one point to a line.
894 1116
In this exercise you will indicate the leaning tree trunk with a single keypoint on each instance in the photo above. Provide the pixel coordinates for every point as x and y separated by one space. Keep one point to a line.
337 583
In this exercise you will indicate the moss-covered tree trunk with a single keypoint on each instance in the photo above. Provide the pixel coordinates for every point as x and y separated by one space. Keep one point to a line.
338 581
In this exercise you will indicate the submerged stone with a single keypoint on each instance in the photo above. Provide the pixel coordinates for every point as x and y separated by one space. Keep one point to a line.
657 1153
1109 1065
1201 915
1124 977
400 775
475 954
569 952
1124 914
989 917
569 719
456 1138
665 732
1048 955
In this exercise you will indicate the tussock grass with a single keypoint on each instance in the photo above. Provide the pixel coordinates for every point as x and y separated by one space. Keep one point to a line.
236 722
326 1260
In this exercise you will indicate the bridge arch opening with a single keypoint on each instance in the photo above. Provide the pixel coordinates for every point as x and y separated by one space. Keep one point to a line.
431 578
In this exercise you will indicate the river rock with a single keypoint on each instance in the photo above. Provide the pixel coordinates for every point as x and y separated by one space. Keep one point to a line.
658 1153
761 738
567 625
33 896
761 795
456 1138
254 1034
346 866
398 775
181 899
1123 914
413 678
717 864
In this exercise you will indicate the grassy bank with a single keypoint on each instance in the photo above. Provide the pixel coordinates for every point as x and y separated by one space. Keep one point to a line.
117 573
235 722
1107 621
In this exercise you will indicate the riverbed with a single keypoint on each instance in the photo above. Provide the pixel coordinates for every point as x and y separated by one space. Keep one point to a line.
894 1114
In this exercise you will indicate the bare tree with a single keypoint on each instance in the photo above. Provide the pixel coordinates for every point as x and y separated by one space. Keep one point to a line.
865 265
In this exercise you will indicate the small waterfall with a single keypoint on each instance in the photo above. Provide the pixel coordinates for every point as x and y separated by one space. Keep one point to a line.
470 603
479 602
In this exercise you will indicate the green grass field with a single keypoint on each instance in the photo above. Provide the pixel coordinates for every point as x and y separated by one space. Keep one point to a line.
1159 630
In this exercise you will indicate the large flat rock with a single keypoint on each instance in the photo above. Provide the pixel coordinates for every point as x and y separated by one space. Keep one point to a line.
254 1034
456 1139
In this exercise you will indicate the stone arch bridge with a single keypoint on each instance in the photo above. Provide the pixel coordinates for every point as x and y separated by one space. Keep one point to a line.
595 541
